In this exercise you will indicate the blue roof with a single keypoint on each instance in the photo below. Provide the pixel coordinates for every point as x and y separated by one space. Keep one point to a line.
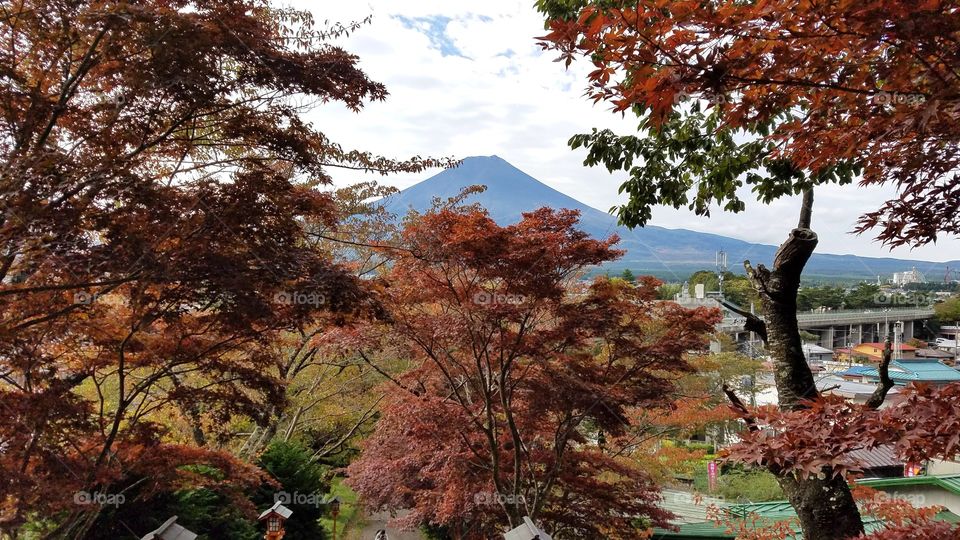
905 372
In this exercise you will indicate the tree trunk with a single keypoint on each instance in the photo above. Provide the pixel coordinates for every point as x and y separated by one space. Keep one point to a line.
191 411
825 506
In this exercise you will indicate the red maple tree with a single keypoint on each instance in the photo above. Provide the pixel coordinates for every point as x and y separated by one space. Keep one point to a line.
783 96
526 378
821 83
155 179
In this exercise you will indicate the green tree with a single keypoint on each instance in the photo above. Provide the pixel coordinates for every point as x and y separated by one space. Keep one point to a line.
705 277
667 291
208 511
738 290
303 483
866 295
627 275
948 311
736 287
825 296
754 485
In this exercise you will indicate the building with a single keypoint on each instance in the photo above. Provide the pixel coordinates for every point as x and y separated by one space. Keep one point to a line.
817 356
950 332
905 278
852 388
936 355
873 352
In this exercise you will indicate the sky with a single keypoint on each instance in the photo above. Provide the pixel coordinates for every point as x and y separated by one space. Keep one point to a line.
467 78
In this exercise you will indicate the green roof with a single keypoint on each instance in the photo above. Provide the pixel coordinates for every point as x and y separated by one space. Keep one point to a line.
765 515
950 483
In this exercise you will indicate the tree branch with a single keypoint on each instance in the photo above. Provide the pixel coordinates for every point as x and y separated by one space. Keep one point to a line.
385 374
753 323
806 209
740 408
886 383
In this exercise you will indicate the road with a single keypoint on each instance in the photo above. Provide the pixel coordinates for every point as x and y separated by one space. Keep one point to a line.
379 521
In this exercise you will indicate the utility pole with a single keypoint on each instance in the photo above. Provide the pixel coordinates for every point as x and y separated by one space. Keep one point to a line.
721 269
897 340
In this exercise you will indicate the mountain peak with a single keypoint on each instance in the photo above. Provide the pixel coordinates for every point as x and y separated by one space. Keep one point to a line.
510 191
485 170
669 253
489 159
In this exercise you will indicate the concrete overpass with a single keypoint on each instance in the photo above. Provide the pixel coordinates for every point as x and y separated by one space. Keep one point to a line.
841 328
836 328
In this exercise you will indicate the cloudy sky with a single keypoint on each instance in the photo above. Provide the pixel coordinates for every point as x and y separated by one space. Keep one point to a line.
467 78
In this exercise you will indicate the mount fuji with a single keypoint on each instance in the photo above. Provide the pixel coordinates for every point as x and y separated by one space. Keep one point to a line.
671 254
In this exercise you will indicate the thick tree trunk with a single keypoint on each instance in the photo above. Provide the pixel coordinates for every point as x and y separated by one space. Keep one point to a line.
824 505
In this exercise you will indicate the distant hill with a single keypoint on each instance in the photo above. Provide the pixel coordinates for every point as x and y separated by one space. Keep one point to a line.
671 254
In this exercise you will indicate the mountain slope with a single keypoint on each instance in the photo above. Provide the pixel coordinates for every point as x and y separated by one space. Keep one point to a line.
667 253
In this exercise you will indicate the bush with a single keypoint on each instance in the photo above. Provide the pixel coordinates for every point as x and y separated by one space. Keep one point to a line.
207 512
697 445
749 486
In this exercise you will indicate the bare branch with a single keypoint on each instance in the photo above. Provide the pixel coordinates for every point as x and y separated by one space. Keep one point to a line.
806 209
886 383
385 374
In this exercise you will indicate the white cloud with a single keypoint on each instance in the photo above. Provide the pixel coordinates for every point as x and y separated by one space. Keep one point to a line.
504 96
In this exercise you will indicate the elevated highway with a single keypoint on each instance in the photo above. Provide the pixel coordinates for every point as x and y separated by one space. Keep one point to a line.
836 328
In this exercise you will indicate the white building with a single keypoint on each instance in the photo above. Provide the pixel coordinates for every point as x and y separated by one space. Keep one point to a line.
905 278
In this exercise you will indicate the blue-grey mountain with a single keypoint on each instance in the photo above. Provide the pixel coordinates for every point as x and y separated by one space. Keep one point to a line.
670 254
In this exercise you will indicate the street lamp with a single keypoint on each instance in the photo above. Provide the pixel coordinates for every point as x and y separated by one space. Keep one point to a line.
274 517
334 506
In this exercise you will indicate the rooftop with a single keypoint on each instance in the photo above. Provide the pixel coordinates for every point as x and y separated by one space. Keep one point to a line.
858 370
910 371
761 515
933 353
881 457
813 348
848 389
903 346
688 507
278 509
949 483
170 531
